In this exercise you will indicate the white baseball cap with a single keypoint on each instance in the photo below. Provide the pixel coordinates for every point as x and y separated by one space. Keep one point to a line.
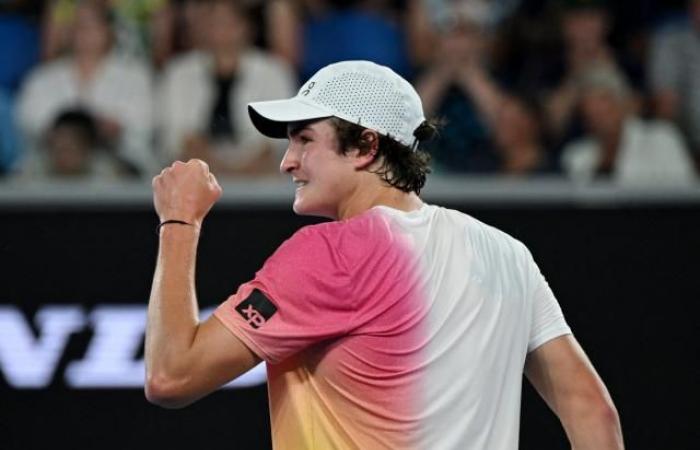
361 92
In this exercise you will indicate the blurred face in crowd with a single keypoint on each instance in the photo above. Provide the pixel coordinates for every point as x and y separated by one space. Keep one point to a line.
227 28
603 110
461 41
68 151
194 24
93 33
323 175
516 126
585 28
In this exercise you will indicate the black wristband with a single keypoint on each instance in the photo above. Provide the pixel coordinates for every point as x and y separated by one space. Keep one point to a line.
175 221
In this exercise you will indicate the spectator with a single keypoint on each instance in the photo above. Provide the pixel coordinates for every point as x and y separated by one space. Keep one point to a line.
313 33
456 88
527 48
71 144
204 97
143 29
585 27
19 52
674 75
511 122
73 150
114 90
517 135
192 25
619 145
512 125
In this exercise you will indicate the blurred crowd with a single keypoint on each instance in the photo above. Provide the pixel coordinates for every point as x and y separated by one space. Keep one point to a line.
583 89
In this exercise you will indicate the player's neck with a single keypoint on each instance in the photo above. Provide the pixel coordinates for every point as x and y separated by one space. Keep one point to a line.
370 196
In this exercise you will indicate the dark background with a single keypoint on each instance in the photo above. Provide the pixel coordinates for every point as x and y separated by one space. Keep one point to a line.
626 277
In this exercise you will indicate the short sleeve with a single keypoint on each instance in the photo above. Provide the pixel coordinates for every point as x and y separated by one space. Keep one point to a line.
547 318
301 296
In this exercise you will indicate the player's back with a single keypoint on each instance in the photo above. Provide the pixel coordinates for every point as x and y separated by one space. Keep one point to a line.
395 330
483 289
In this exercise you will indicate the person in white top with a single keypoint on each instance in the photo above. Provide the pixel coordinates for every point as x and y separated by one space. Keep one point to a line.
396 325
674 73
203 94
114 90
621 146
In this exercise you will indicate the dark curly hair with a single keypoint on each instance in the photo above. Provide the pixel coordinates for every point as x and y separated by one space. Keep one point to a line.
402 167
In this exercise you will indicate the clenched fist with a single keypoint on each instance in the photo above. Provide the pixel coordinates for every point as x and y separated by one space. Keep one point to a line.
185 191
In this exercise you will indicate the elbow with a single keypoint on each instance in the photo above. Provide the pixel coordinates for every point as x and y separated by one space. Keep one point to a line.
607 421
602 407
165 392
607 416
592 401
612 414
595 419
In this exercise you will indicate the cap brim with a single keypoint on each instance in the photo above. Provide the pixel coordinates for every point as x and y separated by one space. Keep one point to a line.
272 117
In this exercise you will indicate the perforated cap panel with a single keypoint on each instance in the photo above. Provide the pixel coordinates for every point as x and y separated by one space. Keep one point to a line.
366 100
360 92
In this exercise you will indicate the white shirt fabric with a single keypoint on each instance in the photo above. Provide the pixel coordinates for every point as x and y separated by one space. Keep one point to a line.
121 90
186 96
490 306
651 154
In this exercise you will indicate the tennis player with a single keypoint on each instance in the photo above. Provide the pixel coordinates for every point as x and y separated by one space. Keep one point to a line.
398 324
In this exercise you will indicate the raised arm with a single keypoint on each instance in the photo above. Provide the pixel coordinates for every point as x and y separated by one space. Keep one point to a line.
567 381
185 359
485 92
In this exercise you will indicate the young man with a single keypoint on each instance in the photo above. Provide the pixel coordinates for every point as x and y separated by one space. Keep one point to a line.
399 325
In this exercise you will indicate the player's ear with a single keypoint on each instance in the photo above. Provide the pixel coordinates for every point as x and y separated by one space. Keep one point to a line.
367 154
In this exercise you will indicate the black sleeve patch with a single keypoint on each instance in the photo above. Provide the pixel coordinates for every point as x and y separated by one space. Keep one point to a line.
256 309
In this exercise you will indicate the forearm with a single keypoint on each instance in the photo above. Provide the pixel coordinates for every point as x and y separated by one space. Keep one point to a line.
484 91
432 88
172 308
593 427
560 107
567 381
182 363
587 412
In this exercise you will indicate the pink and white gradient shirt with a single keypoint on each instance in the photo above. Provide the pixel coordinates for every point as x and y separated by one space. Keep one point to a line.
395 330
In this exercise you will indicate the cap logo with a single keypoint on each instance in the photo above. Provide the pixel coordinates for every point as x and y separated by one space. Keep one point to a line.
307 91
